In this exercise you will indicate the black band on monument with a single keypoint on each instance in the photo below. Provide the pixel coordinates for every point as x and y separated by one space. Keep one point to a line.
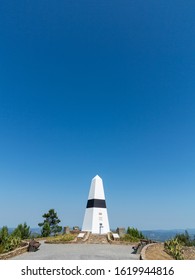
98 203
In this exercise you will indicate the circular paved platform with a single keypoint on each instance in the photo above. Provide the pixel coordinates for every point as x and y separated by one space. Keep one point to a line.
80 252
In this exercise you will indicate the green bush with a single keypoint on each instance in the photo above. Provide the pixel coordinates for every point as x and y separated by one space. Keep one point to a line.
4 234
16 233
185 239
129 238
1 249
22 231
135 233
12 243
174 248
8 241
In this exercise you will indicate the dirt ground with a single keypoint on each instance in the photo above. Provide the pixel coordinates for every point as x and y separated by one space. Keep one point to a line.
156 252
189 253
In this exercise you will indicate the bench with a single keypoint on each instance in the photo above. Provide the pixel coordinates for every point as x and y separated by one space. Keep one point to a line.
33 245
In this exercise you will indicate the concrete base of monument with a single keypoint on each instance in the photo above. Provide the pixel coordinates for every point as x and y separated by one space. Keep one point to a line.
91 238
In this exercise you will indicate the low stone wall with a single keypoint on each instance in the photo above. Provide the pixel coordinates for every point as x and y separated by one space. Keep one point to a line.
155 251
86 236
143 252
109 237
13 253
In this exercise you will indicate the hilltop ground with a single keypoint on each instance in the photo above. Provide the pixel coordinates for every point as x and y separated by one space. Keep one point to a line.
156 252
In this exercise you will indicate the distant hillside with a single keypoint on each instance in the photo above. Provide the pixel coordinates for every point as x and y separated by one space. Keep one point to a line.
33 230
162 235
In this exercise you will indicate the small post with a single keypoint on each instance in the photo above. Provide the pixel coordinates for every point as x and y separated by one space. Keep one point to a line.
101 226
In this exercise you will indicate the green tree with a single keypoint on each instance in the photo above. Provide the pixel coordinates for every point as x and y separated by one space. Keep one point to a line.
22 231
46 230
133 232
50 224
16 233
4 234
8 241
184 239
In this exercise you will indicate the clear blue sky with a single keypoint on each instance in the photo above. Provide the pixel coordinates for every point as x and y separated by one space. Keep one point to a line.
98 87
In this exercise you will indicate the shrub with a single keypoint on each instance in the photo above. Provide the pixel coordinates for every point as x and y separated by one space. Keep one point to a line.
61 238
174 248
185 239
12 243
1 249
22 231
129 238
133 232
8 241
4 234
16 233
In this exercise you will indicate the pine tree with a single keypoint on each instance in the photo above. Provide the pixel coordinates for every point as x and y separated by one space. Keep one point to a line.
22 231
134 232
4 234
46 231
50 223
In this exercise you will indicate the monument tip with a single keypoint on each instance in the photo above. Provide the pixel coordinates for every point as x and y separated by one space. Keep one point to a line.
97 177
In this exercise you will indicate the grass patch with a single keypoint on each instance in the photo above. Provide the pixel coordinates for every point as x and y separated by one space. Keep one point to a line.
64 238
129 238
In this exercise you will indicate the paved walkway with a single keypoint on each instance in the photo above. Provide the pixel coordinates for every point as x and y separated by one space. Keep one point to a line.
80 252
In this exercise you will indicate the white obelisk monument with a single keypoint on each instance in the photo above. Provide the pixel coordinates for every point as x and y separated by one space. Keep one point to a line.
96 216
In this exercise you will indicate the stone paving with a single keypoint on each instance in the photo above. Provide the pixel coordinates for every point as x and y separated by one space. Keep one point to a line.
80 252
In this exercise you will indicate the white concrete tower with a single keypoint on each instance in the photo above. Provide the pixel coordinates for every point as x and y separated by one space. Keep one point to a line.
96 216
